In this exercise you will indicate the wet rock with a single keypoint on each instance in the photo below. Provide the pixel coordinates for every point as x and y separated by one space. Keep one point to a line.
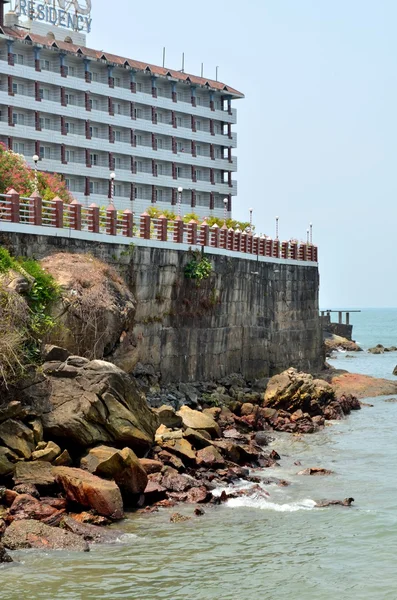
194 419
182 448
150 465
175 482
4 557
90 517
178 518
91 533
274 455
40 473
16 436
315 471
261 438
209 456
391 400
199 512
49 453
101 404
89 490
324 503
167 416
33 534
379 349
121 465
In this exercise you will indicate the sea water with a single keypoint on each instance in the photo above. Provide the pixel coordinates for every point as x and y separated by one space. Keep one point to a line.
275 547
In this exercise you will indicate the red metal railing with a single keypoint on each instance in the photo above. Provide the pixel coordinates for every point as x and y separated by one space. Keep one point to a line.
93 219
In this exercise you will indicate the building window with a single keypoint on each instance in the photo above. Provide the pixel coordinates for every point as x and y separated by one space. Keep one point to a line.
94 187
139 140
71 71
179 172
159 169
19 147
117 109
159 143
198 125
94 132
117 81
69 155
45 152
117 162
198 149
44 93
117 135
94 104
14 88
44 65
70 99
179 121
94 76
70 127
139 87
198 174
139 166
94 159
159 195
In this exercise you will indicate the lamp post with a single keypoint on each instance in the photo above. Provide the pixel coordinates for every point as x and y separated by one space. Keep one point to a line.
307 236
112 178
180 190
251 209
225 203
311 233
276 228
36 185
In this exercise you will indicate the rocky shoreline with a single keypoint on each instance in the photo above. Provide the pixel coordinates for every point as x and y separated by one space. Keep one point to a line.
86 441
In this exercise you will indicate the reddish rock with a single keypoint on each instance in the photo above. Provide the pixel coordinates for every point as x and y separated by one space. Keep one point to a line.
27 507
182 448
154 491
197 495
9 497
89 517
90 533
27 488
171 460
209 456
175 482
89 490
315 471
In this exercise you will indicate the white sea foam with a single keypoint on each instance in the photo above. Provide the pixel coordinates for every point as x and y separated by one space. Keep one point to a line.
263 504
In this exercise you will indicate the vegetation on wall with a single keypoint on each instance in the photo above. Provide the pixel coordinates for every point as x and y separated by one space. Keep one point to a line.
16 174
24 317
155 213
198 268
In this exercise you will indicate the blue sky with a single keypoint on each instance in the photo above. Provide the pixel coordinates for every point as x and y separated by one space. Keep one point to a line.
317 130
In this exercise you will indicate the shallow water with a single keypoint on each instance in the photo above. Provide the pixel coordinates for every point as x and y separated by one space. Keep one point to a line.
278 548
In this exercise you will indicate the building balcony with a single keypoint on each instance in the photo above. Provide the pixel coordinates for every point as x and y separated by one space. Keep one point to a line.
103 89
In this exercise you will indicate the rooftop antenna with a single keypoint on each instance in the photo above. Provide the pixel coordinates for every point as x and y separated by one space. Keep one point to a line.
183 63
163 57
202 70
216 77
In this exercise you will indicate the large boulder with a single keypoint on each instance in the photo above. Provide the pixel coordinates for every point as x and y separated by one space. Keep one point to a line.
39 473
7 460
194 419
90 491
292 390
33 534
96 403
121 465
18 437
167 416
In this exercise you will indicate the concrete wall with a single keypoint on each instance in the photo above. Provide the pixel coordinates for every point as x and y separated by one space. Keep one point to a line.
341 329
252 317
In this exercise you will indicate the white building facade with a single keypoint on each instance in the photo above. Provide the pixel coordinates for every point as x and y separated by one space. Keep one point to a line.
88 114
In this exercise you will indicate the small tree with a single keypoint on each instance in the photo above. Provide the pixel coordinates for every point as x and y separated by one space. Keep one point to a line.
15 173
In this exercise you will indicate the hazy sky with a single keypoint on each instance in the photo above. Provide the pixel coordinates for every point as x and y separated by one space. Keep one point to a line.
317 130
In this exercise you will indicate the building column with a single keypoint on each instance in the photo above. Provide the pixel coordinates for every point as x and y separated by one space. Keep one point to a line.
133 82
193 199
173 92
62 66
87 72
212 101
10 54
37 91
193 96
87 102
36 52
87 158
133 138
154 116
193 123
110 107
63 154
10 85
63 97
37 121
154 87
110 76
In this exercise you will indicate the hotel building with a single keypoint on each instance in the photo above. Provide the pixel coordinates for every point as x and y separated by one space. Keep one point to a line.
88 113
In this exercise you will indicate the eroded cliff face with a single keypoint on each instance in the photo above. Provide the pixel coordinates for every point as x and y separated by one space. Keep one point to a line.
248 317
